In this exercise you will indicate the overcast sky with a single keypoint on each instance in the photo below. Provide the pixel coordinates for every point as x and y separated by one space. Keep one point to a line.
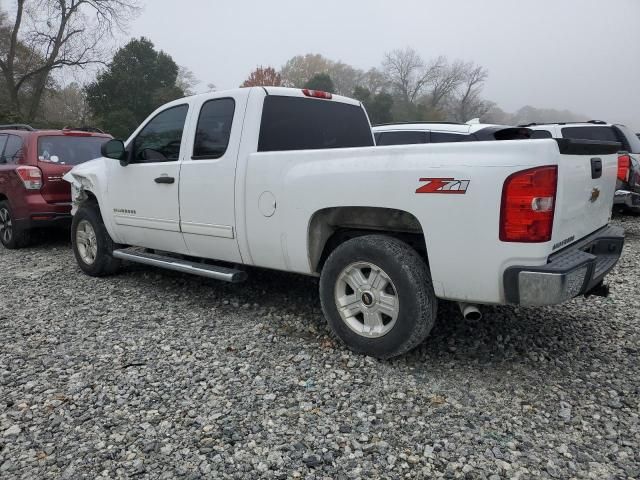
581 55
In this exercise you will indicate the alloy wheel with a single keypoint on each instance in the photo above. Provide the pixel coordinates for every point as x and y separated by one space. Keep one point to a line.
86 241
6 226
367 299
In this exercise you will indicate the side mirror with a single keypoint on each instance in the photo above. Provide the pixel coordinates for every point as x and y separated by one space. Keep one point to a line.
113 149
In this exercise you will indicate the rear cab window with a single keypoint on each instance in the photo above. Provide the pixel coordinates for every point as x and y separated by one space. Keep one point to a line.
69 149
296 123
406 137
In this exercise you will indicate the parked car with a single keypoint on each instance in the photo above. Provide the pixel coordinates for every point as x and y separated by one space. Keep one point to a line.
627 196
32 163
439 132
287 179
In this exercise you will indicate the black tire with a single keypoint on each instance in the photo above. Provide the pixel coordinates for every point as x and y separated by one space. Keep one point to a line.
414 291
104 263
10 235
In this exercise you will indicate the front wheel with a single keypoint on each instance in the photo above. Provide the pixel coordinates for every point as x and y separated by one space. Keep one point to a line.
377 296
92 245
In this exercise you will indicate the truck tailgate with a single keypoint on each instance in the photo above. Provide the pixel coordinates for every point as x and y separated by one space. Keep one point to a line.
587 173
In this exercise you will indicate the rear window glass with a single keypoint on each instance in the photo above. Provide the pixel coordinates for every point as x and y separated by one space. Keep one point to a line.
633 142
295 123
537 134
68 150
605 134
13 148
444 137
401 138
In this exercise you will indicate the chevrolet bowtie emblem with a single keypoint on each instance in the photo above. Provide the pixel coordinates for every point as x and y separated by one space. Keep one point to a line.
595 194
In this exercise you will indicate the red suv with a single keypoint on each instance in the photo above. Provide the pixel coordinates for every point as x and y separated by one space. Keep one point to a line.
32 162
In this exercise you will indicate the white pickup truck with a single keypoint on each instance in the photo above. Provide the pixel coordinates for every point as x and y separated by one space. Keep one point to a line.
290 180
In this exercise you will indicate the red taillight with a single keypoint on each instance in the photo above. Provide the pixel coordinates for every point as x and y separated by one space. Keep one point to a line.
624 162
31 177
317 94
528 205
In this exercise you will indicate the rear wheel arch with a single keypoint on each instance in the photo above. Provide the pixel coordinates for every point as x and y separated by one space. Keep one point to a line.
330 227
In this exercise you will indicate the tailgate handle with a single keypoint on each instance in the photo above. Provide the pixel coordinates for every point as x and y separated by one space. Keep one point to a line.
596 168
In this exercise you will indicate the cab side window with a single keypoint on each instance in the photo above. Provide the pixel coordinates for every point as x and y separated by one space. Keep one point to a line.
537 134
446 137
12 149
214 129
407 137
160 139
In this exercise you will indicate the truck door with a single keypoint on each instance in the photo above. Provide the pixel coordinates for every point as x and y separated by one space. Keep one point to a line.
144 194
207 178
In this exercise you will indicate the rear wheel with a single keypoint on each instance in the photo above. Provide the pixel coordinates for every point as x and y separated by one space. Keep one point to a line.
92 245
377 295
10 235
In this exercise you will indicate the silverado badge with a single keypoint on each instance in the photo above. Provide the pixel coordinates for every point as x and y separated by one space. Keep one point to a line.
595 194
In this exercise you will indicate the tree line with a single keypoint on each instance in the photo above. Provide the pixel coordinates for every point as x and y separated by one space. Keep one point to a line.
45 40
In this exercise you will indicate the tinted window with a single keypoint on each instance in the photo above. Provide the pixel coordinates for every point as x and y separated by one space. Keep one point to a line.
537 134
67 150
632 140
443 137
295 123
402 138
13 149
3 140
160 139
606 134
214 128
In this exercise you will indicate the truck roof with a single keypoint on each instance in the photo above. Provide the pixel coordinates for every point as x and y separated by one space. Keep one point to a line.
281 91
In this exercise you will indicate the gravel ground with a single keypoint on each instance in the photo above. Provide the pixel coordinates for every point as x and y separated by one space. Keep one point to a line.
151 374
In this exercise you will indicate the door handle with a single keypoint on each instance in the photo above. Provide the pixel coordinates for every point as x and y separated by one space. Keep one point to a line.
165 180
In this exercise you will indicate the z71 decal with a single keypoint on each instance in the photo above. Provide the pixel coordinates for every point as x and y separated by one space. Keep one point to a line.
444 185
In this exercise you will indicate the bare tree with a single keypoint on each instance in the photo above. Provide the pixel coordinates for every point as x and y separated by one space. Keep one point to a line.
446 78
186 81
55 34
408 74
467 102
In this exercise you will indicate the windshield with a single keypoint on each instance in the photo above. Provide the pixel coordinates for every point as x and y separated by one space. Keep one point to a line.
68 150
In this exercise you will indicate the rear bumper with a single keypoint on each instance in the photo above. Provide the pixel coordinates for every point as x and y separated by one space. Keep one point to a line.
576 270
33 211
45 220
625 198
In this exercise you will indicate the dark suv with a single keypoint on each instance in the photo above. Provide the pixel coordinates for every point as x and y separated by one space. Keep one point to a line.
628 185
32 191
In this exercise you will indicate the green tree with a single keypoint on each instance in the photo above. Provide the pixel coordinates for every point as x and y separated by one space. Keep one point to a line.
138 80
321 81
378 106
